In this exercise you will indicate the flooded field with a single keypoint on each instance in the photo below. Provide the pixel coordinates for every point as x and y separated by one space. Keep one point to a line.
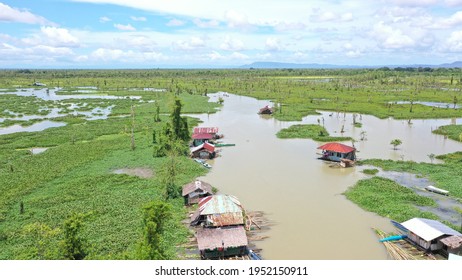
67 108
303 195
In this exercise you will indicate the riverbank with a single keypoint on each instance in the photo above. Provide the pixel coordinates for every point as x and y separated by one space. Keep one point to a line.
76 175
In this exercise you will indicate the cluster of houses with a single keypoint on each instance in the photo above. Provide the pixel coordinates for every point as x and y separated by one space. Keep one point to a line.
202 145
218 221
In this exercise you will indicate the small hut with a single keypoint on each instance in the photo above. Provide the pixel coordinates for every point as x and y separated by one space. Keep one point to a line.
338 152
208 130
216 243
201 138
266 110
195 191
218 211
429 234
203 151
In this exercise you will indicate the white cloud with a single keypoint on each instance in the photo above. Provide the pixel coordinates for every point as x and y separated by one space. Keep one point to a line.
412 3
9 14
273 44
122 27
240 56
104 19
194 43
118 55
206 24
391 38
175 22
230 44
237 20
138 18
215 55
454 42
59 36
289 26
52 36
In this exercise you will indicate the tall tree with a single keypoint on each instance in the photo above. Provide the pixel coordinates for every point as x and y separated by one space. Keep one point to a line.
155 216
74 244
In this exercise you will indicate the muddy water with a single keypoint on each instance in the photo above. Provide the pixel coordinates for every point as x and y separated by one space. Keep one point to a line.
301 194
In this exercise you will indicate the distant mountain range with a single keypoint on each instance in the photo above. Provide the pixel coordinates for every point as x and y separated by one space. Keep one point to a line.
283 65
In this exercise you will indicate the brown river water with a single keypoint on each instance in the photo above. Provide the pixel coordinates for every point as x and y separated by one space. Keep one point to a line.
302 195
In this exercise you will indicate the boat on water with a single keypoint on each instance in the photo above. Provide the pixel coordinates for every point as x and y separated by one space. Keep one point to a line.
400 227
254 256
393 238
436 190
203 163
224 145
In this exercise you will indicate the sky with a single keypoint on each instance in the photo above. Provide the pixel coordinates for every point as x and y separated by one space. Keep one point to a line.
227 33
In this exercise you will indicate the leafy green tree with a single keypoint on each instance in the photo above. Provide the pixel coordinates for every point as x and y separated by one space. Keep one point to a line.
155 216
73 244
44 237
395 143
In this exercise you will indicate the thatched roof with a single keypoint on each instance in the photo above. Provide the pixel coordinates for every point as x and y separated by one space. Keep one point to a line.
196 185
213 238
452 242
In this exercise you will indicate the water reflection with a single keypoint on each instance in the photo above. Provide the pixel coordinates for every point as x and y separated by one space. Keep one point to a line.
50 94
301 194
35 127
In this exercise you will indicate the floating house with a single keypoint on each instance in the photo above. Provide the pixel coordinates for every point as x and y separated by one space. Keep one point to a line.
218 211
210 130
201 138
432 235
216 243
338 152
266 110
195 191
203 151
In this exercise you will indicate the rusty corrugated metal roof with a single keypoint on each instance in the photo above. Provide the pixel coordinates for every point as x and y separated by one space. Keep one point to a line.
225 219
213 238
218 204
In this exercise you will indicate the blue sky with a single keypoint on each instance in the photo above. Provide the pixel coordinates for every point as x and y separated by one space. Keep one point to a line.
223 33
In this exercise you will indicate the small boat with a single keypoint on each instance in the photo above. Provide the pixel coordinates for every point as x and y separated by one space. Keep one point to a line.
203 163
224 145
436 190
253 256
393 238
399 226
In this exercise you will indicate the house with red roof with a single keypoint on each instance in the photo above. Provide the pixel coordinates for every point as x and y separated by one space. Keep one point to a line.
338 152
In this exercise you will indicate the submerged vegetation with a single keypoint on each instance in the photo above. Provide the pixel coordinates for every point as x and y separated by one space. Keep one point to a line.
389 199
67 202
309 131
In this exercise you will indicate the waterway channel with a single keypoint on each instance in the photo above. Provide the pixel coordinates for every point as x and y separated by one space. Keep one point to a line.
301 194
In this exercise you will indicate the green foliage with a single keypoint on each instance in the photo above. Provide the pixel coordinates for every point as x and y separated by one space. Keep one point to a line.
74 245
155 216
453 131
310 131
45 239
395 143
372 171
389 199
